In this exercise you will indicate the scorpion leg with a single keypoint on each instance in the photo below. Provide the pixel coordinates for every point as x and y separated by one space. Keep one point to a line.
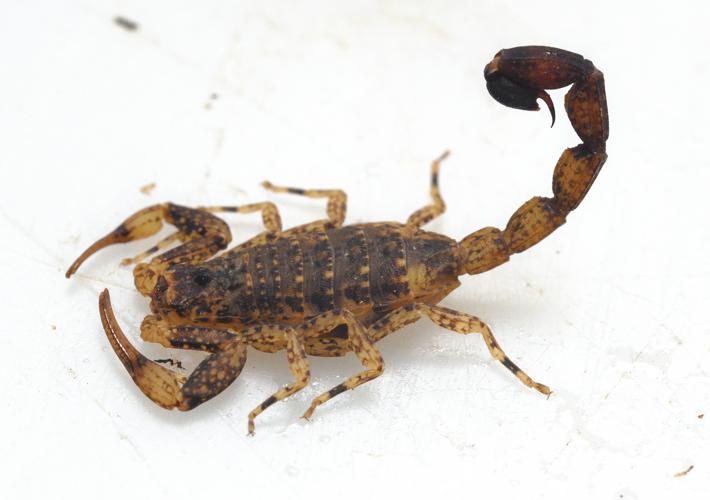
269 213
198 338
465 323
165 387
517 78
268 337
435 209
203 233
360 344
457 322
298 363
337 201
161 245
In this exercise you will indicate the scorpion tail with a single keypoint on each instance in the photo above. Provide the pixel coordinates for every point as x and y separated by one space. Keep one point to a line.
517 78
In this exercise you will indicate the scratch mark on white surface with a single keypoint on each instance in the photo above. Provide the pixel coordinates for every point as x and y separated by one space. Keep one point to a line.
237 190
636 296
463 448
228 421
287 123
626 373
41 262
106 283
30 236
249 441
127 438
144 36
234 41
420 22
70 240
579 429
122 436
216 149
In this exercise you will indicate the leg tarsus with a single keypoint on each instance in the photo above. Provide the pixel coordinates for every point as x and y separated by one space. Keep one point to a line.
437 207
361 345
459 322
456 322
298 363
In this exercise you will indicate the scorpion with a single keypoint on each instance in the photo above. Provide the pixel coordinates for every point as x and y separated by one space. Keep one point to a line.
327 289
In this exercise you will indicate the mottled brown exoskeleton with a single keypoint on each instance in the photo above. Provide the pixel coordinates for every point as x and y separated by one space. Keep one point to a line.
325 289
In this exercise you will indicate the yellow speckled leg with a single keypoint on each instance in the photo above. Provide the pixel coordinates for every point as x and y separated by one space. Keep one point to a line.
161 245
337 200
435 209
457 322
269 213
298 363
196 338
270 338
465 323
360 344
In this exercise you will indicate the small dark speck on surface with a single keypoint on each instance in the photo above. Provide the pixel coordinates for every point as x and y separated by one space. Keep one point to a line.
54 327
701 416
213 97
125 23
683 473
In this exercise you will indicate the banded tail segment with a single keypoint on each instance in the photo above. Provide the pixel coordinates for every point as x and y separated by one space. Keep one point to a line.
517 78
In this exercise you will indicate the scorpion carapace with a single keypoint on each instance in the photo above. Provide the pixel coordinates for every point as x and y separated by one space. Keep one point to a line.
325 289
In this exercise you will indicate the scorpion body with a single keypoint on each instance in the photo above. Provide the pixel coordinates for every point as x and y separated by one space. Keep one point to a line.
326 289
367 269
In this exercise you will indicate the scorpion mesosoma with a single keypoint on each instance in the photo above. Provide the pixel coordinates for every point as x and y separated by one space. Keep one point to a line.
325 289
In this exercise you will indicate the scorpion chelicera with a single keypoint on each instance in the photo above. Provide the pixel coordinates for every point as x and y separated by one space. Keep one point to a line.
325 289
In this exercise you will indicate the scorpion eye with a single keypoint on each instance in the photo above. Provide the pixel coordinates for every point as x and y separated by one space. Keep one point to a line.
202 278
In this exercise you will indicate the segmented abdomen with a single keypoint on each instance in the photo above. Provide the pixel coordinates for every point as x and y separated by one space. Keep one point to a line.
362 268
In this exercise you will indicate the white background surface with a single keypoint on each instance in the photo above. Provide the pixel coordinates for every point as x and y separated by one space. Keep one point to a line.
610 311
